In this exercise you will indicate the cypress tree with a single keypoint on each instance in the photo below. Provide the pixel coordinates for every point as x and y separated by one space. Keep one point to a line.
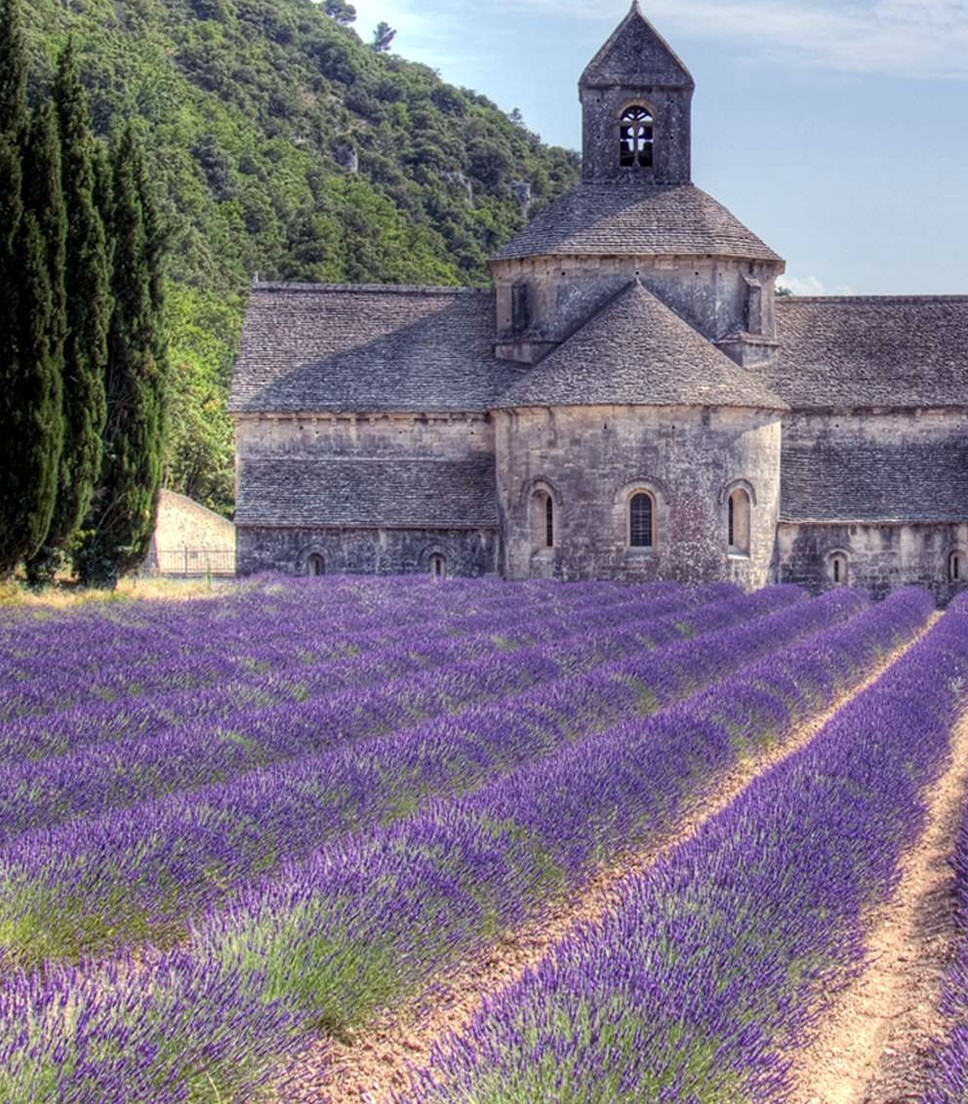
31 429
122 519
87 310
13 69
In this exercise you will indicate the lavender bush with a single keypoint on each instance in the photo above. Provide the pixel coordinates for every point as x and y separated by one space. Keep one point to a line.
727 952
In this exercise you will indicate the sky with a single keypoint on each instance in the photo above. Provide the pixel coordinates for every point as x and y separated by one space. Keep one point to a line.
837 130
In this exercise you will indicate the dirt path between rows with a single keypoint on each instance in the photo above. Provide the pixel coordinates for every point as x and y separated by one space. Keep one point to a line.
371 1067
875 1044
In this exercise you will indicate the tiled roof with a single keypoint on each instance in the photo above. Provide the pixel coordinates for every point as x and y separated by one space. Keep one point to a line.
636 54
658 220
638 352
364 492
855 482
317 347
872 352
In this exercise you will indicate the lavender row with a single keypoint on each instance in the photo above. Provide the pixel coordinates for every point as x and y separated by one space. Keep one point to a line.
110 772
274 685
723 957
285 654
949 1063
106 653
369 919
128 874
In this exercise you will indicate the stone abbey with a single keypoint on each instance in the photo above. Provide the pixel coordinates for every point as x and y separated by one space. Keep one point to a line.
631 399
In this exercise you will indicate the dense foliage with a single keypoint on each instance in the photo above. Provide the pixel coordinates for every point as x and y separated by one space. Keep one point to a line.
284 145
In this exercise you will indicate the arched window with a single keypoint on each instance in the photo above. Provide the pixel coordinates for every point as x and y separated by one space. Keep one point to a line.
956 567
637 137
641 520
315 565
520 307
542 521
738 523
839 569
438 565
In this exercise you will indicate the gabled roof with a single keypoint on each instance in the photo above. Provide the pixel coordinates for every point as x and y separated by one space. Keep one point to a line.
638 352
369 493
636 55
871 352
658 220
907 481
330 348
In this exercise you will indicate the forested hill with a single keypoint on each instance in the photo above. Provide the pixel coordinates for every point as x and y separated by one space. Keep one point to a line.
284 145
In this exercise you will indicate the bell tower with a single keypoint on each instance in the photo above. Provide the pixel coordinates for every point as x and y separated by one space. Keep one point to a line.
636 99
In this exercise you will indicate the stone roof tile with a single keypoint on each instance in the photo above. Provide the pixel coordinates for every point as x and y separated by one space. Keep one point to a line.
353 492
638 352
871 352
634 55
319 347
844 481
658 220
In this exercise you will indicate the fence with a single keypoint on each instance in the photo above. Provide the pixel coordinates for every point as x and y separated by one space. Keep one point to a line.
192 562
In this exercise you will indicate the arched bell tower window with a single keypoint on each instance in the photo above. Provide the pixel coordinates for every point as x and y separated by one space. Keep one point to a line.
636 137
315 565
641 521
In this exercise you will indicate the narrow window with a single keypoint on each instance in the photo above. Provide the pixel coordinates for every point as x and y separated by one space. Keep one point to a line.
738 523
637 138
520 307
838 569
641 521
315 565
542 521
956 568
438 565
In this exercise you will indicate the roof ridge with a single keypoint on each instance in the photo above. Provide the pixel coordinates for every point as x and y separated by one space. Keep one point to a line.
363 289
954 298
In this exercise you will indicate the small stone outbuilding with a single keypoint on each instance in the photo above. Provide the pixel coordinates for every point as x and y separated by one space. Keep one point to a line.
630 400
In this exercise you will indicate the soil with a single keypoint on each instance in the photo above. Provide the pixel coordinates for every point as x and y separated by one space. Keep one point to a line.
874 1045
373 1066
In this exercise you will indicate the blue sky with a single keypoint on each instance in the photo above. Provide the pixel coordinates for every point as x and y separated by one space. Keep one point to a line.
837 130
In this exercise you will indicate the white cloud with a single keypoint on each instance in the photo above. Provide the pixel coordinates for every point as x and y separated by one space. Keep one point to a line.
905 38
810 285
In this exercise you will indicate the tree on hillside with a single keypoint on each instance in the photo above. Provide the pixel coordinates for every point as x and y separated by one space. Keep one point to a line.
88 312
383 38
340 11
31 426
121 521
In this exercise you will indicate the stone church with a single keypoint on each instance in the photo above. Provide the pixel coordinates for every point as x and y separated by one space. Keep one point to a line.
631 400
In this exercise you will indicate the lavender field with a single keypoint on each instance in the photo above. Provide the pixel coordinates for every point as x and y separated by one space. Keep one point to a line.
233 829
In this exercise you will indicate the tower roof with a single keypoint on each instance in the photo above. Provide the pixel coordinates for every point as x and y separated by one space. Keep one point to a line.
636 56
638 352
643 221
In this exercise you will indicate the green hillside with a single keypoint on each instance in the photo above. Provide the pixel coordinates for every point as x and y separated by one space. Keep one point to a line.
283 145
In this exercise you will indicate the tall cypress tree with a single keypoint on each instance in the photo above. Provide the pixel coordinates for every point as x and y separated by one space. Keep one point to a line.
13 69
87 311
122 519
31 427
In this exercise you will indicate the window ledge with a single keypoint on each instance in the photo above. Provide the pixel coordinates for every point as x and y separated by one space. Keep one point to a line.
639 553
738 555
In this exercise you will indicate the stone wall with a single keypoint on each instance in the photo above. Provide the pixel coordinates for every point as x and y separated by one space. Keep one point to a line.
592 459
367 551
442 436
190 539
713 294
880 557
